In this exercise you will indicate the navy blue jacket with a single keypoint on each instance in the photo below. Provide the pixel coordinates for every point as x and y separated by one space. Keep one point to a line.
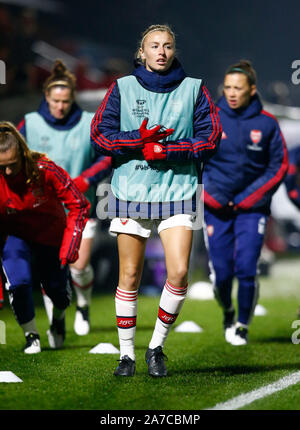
291 180
251 161
107 138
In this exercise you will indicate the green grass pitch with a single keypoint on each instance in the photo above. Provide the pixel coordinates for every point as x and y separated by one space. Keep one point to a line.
203 369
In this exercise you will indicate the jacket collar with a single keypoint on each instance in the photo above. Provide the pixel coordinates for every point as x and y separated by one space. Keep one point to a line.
254 108
160 82
66 123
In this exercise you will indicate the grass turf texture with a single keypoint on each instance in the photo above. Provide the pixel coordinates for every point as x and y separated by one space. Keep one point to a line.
203 369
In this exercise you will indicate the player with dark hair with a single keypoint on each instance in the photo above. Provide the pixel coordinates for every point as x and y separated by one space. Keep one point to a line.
159 126
62 130
239 182
34 191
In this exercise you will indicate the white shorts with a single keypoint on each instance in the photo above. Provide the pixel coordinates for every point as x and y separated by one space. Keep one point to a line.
143 227
90 229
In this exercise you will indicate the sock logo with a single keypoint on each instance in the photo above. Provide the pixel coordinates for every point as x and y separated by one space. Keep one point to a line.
126 322
166 317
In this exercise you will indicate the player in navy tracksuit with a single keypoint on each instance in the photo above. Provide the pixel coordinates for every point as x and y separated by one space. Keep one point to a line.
239 182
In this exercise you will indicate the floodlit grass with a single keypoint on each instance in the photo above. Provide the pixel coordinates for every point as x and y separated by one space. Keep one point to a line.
203 370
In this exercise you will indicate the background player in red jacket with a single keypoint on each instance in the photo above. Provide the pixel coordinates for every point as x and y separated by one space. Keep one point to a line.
34 191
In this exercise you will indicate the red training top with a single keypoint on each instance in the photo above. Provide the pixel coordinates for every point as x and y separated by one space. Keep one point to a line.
35 212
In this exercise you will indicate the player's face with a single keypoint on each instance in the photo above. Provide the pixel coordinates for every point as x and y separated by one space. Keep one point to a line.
59 100
158 51
10 162
237 90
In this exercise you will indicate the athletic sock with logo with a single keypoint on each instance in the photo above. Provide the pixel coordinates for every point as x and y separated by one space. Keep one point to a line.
171 302
126 311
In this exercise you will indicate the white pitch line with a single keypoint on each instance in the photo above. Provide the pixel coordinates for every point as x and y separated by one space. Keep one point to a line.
247 398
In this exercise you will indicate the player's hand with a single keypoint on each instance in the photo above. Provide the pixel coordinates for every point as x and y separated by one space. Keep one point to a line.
153 134
154 151
81 183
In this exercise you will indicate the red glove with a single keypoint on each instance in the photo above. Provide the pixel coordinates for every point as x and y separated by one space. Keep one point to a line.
153 134
81 183
154 151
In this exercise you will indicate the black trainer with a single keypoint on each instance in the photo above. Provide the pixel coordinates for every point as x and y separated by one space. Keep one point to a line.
155 358
126 367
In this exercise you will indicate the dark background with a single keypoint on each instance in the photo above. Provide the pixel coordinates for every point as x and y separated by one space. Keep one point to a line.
210 36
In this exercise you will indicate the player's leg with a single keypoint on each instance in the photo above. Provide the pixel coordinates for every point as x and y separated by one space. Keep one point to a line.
176 235
249 232
82 275
132 237
16 261
219 241
131 258
55 282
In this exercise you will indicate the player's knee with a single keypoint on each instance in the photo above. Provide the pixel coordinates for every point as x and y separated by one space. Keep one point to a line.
248 282
61 301
178 275
223 276
129 278
80 264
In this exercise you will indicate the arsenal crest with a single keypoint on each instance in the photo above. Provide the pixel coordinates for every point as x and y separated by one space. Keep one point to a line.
157 149
255 136
210 230
123 220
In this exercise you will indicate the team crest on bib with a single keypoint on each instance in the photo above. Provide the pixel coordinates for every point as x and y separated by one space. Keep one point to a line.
123 220
140 110
255 136
157 149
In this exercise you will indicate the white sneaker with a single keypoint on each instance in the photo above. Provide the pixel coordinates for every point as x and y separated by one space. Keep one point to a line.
33 344
82 321
230 333
229 325
240 337
56 333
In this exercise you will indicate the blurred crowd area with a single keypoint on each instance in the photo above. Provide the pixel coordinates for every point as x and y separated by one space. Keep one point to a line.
30 41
